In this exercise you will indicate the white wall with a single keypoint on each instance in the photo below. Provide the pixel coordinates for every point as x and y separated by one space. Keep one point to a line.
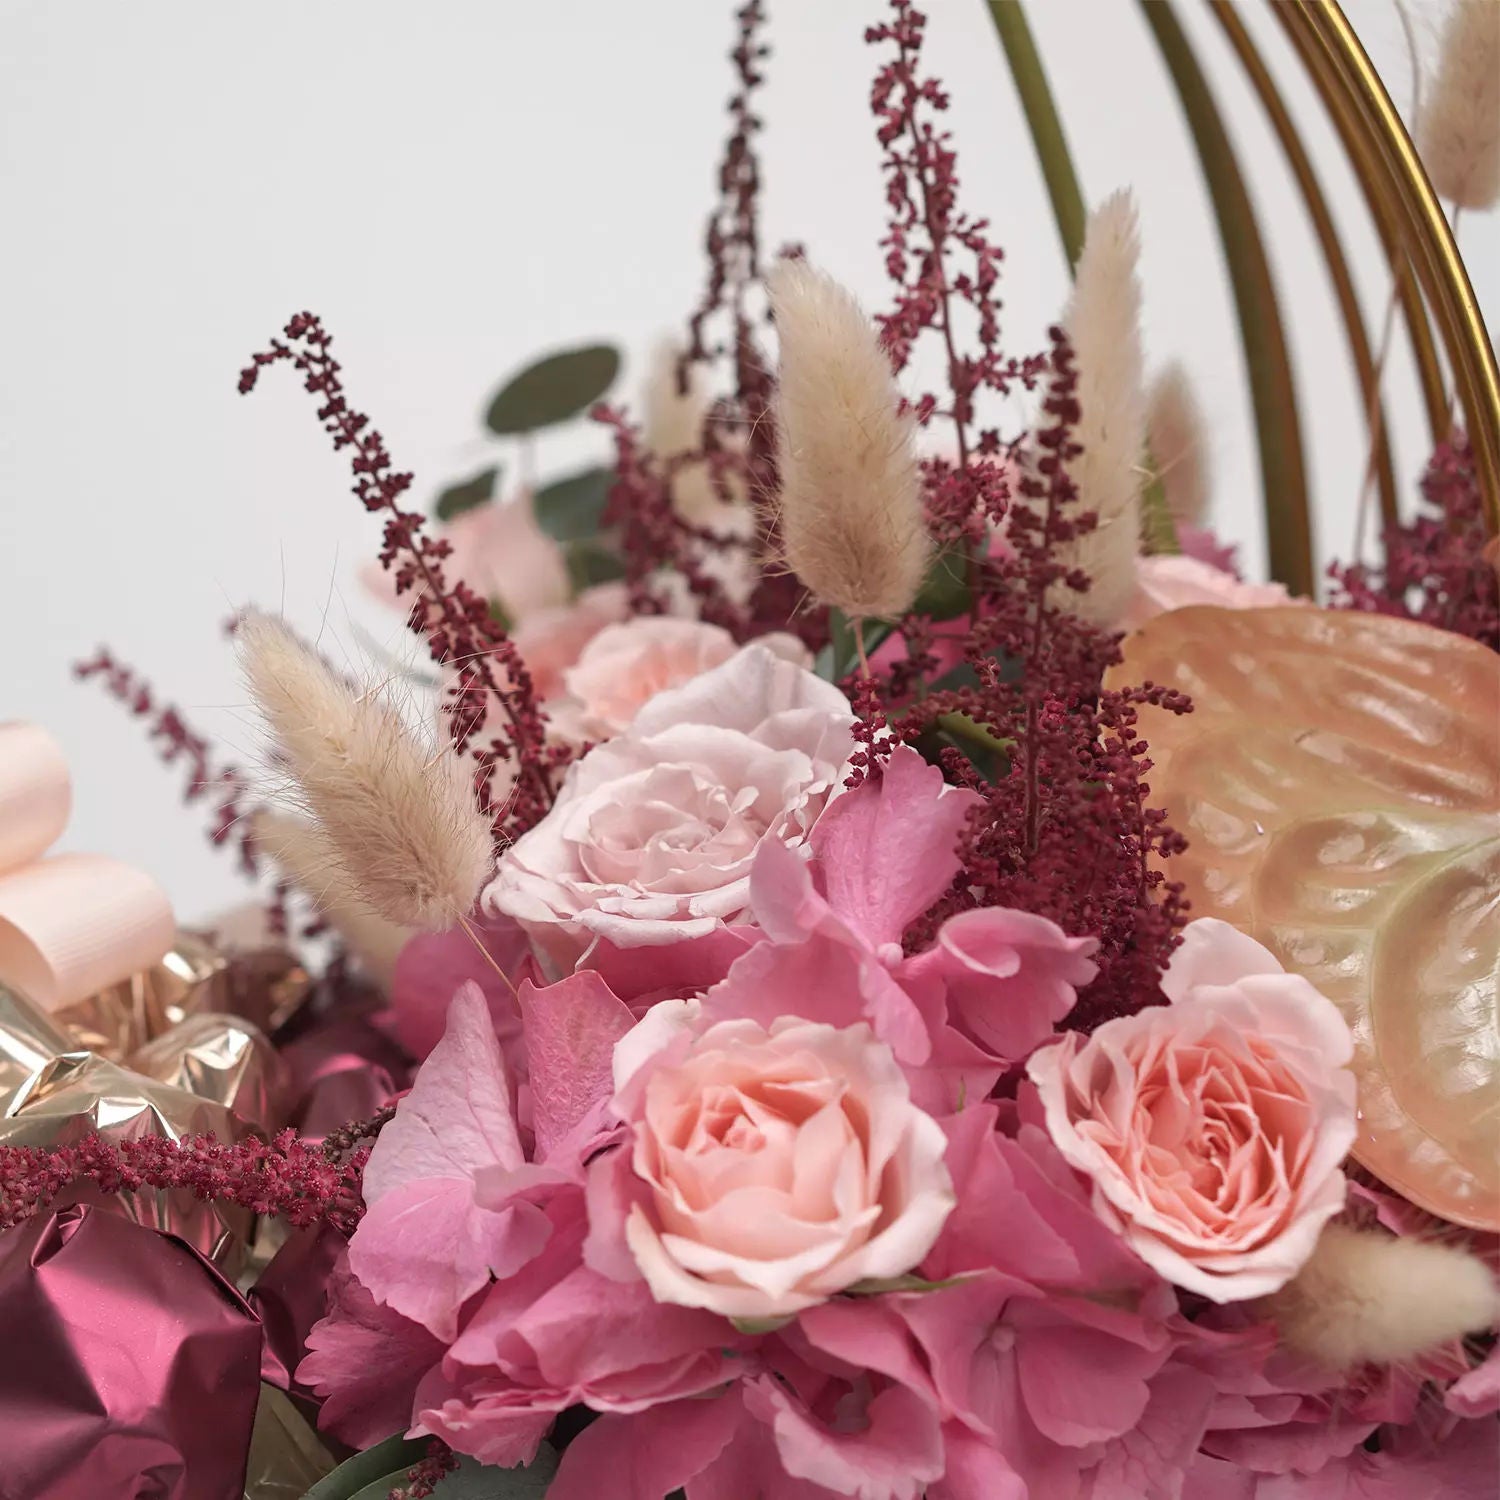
456 186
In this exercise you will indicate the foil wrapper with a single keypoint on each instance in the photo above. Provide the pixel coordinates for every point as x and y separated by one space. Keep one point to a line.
28 1040
133 1368
77 1093
223 1059
286 1456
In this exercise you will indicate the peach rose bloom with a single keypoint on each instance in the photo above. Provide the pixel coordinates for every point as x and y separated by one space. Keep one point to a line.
1214 1129
624 665
550 640
1166 583
769 1170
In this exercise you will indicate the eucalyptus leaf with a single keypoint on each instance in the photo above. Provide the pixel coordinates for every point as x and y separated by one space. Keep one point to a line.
572 509
590 563
944 594
840 656
553 389
475 1481
395 1455
467 494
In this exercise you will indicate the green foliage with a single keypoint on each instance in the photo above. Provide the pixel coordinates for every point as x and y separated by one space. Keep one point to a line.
373 1474
468 494
553 389
944 594
572 509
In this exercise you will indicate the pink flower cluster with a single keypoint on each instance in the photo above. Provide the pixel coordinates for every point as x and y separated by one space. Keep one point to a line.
804 1228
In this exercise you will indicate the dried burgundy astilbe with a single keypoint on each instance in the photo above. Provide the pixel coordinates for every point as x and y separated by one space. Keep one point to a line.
301 1182
227 787
1439 568
1064 829
947 272
490 678
737 449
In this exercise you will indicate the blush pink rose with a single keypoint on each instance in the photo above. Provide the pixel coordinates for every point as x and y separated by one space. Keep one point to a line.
653 834
551 639
1214 1129
501 552
1164 583
767 1168
627 663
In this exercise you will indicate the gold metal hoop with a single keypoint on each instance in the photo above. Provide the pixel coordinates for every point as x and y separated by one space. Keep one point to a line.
1403 200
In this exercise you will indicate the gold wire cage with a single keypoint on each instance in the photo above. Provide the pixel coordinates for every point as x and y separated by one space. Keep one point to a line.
1432 291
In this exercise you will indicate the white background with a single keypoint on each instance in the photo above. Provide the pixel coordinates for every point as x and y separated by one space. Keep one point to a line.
459 185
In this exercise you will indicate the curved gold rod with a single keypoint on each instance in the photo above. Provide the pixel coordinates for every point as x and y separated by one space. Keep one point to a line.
1364 156
1328 238
1425 231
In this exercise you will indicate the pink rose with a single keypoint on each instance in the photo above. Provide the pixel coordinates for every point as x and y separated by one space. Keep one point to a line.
767 1169
1165 583
1213 1129
653 834
502 554
625 664
551 639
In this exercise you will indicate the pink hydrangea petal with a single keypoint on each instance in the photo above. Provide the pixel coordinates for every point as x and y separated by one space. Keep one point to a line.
426 1244
888 848
896 1453
571 1030
432 966
424 1249
975 1469
367 1361
646 1455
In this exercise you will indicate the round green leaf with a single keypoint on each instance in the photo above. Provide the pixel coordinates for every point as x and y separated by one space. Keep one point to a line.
475 1481
553 389
571 509
945 591
458 498
394 1456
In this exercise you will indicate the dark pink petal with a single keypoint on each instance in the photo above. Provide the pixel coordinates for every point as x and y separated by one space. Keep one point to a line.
647 1455
571 1031
887 850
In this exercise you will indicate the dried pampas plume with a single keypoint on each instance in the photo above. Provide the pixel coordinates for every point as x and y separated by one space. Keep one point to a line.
851 502
1460 124
400 824
1370 1297
311 863
1178 444
1103 324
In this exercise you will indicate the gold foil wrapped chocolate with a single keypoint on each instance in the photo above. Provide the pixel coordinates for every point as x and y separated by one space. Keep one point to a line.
156 1055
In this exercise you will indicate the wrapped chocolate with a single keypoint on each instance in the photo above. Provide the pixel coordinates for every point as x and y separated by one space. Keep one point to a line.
28 1039
78 1093
223 1059
286 1457
132 1367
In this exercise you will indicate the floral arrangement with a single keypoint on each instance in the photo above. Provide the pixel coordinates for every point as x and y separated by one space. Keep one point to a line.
901 974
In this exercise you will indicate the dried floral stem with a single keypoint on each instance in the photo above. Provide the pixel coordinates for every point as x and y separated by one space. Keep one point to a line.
460 631
286 1176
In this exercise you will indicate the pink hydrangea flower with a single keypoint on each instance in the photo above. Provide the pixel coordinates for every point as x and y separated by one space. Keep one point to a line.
1213 1130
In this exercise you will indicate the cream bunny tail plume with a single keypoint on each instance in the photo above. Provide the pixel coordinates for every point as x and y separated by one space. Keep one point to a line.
1370 1297
1103 324
1179 444
310 862
851 500
401 822
1460 126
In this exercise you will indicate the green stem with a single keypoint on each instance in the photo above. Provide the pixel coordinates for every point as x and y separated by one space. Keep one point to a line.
1045 124
1283 477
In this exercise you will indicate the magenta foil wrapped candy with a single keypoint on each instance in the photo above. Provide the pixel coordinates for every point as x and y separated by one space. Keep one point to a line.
131 1368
